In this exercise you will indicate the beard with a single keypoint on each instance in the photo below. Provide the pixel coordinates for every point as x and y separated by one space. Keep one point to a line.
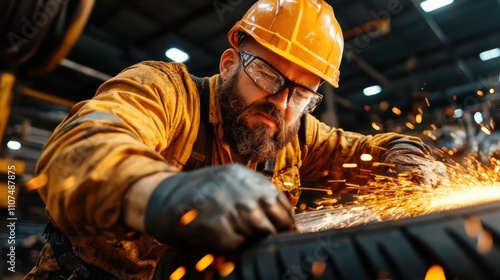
251 144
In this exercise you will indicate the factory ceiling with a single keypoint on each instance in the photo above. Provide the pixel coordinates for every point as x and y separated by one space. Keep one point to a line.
423 61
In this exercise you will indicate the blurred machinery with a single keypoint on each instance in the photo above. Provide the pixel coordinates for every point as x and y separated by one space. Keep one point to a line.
488 138
36 36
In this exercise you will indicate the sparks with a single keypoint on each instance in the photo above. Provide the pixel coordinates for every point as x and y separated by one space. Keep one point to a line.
386 198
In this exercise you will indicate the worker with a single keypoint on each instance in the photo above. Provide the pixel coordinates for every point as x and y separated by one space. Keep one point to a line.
489 143
162 158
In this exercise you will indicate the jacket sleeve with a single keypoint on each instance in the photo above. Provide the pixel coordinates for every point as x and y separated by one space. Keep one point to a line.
327 149
107 143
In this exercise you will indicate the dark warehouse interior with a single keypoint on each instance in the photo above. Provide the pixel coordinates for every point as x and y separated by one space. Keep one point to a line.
436 72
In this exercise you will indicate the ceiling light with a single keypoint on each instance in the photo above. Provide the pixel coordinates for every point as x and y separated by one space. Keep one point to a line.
431 5
369 91
13 145
489 54
458 113
177 55
478 117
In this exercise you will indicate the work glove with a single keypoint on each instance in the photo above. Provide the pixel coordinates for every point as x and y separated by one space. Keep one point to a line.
217 208
415 160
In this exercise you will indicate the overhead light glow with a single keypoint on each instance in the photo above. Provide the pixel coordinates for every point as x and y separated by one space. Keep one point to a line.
490 54
13 145
458 113
177 55
431 5
369 91
478 117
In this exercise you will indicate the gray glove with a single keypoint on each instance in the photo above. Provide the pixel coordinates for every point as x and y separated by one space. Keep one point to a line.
230 204
415 159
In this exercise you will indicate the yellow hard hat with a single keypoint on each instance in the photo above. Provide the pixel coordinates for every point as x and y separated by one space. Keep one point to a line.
304 32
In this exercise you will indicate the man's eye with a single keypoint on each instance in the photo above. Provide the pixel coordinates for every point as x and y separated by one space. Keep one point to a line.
299 95
302 94
268 76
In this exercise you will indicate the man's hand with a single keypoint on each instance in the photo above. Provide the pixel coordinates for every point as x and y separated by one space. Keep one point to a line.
414 159
218 207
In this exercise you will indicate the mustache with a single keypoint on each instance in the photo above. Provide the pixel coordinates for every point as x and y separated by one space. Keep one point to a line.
268 109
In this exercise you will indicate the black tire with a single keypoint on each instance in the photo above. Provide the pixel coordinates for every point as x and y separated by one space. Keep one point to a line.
24 25
400 249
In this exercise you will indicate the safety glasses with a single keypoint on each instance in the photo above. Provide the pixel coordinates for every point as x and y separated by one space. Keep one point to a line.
269 79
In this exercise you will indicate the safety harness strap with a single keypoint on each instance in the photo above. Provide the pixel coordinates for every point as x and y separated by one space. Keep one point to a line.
71 266
202 154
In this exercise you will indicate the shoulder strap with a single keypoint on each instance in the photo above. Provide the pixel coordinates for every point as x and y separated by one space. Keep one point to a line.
302 130
201 154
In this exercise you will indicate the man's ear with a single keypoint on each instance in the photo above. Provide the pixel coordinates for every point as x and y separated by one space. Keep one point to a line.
228 63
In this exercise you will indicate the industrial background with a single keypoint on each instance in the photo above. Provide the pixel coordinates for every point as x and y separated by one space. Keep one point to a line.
435 70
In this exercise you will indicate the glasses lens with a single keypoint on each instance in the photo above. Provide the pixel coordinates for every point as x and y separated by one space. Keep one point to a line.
271 81
264 76
304 100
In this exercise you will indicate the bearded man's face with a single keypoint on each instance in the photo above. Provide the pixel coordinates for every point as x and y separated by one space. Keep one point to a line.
254 141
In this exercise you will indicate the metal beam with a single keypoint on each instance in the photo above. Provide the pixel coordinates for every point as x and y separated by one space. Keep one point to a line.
6 84
46 97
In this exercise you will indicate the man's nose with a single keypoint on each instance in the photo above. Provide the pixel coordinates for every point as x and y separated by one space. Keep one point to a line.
280 99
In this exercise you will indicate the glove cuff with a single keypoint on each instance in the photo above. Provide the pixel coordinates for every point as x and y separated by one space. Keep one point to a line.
158 206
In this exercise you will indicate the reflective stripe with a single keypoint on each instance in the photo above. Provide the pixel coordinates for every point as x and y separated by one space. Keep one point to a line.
95 116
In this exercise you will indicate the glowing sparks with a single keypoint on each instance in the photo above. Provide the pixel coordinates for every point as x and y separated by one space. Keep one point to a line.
427 102
318 268
349 165
187 218
430 135
389 198
337 181
375 126
484 242
410 125
178 273
226 269
376 164
418 118
474 229
435 272
451 198
366 157
37 182
327 201
485 130
480 93
204 262
396 111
